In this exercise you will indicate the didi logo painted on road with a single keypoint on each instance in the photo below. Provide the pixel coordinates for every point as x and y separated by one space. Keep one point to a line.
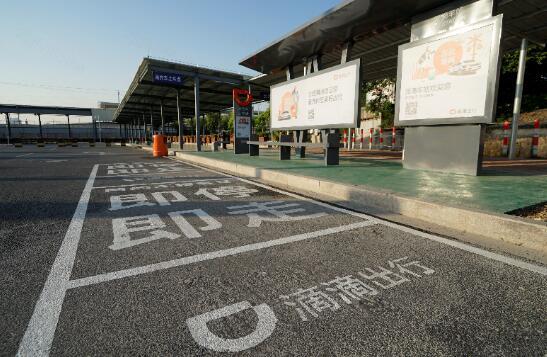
204 337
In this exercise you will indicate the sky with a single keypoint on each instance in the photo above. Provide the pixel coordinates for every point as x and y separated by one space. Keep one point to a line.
76 53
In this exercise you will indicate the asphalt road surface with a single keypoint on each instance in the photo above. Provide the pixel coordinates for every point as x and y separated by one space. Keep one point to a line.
107 251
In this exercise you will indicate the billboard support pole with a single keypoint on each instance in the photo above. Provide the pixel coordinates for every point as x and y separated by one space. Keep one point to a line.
518 99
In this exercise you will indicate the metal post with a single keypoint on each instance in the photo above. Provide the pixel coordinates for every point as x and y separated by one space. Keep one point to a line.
40 126
161 114
346 52
9 126
518 99
197 113
151 124
179 119
94 128
143 134
68 122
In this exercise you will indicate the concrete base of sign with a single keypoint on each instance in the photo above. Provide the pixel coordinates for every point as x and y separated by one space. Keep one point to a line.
241 146
450 148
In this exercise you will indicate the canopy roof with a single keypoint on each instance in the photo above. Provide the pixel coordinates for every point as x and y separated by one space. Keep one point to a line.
377 28
145 95
36 109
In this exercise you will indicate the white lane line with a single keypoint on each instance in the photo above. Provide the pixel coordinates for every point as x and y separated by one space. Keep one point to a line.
30 153
189 180
456 244
41 328
101 278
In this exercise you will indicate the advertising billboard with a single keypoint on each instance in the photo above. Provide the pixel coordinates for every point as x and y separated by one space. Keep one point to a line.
325 99
449 78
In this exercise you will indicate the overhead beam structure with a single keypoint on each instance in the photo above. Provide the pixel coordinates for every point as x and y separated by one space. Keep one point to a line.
196 91
375 29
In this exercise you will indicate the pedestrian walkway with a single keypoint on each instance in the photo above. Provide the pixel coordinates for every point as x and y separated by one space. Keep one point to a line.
502 188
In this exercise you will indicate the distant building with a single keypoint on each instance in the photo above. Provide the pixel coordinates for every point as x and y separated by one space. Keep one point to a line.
107 105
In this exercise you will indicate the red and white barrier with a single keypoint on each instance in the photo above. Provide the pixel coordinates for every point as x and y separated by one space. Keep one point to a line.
505 142
535 139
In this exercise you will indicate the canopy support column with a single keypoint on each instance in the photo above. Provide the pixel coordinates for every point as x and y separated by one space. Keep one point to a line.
94 125
197 113
68 123
40 126
518 99
179 120
161 114
143 133
151 124
9 126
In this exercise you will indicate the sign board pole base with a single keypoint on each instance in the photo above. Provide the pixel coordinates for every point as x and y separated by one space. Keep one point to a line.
254 149
285 151
332 149
449 148
241 146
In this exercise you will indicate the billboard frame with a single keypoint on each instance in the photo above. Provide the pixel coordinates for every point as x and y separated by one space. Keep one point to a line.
492 78
314 74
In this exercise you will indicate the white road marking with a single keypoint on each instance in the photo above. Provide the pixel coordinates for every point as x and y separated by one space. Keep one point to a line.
101 278
190 180
30 153
265 326
456 244
41 328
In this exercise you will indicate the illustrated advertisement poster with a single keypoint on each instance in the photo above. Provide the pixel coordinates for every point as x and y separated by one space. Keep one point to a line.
447 78
324 99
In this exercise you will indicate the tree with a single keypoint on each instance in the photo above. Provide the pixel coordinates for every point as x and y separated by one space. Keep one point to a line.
261 123
535 82
211 122
377 97
227 121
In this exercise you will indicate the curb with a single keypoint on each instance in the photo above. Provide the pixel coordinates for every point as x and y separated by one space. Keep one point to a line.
514 230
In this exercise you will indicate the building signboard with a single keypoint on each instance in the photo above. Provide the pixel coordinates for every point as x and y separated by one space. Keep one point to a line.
168 77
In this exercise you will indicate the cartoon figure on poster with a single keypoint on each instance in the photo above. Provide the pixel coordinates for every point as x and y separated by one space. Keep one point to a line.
289 105
452 58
